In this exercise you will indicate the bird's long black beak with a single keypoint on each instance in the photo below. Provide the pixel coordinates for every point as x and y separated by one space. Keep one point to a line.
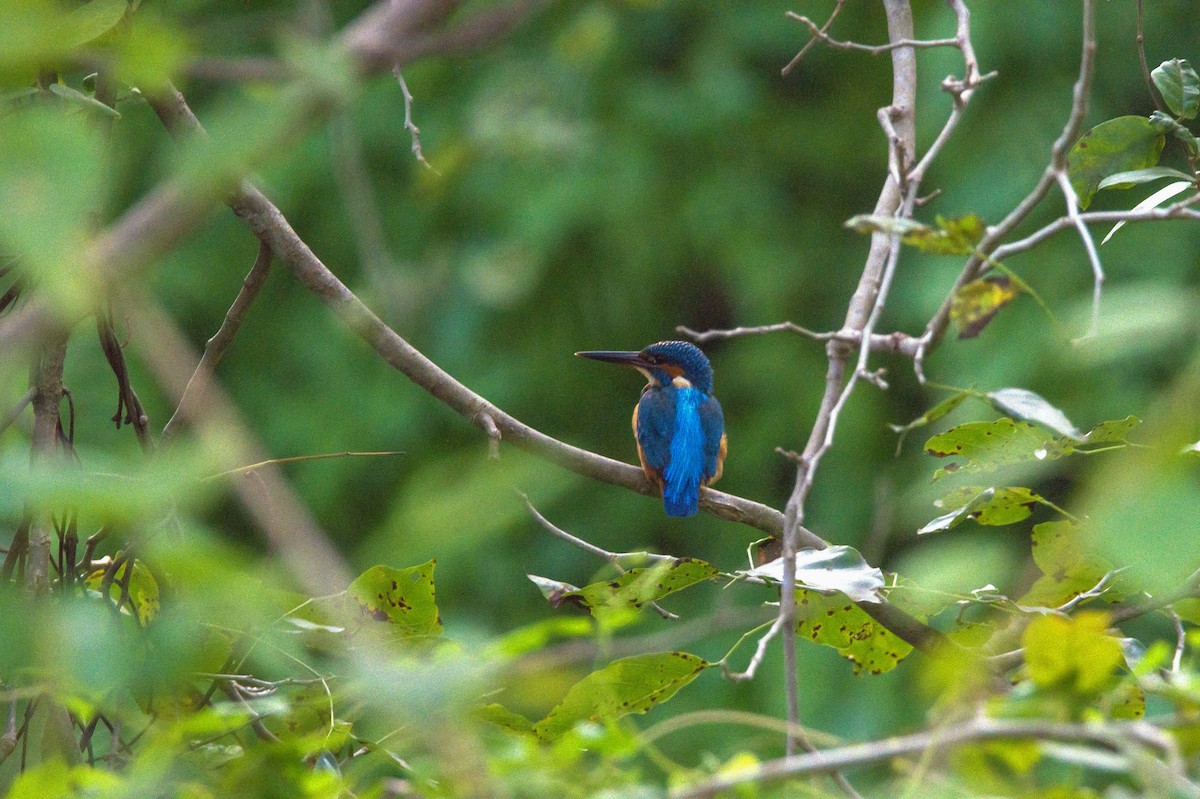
616 356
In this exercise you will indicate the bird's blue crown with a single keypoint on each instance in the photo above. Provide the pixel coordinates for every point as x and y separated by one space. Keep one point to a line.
670 357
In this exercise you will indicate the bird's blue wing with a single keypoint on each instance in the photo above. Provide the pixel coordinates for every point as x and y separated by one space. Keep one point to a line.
655 423
712 424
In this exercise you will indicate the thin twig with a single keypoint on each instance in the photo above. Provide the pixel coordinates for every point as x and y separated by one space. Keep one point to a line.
413 130
1180 210
760 653
820 34
214 350
900 343
1155 97
614 558
837 9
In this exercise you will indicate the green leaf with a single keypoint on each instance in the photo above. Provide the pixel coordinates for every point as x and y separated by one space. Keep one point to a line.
79 98
986 445
1123 180
91 21
54 179
1112 431
837 568
1118 145
1179 86
1031 407
975 305
989 506
1074 653
504 718
951 236
1166 124
1127 701
404 597
834 621
932 415
635 588
625 686
534 637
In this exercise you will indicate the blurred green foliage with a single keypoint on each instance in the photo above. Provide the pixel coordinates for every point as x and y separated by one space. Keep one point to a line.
611 171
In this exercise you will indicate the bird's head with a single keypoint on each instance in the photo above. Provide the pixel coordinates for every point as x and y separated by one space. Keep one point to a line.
665 363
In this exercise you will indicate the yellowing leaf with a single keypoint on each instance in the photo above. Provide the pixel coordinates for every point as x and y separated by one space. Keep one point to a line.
951 236
1076 654
977 303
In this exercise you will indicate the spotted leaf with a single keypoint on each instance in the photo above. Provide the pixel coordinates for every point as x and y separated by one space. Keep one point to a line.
403 597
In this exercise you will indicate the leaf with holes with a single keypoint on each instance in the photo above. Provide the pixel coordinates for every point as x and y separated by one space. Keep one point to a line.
403 597
1179 86
636 587
1118 145
974 305
629 685
835 621
838 568
988 506
986 445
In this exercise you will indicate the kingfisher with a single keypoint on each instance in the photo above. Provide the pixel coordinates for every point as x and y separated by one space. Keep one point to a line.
678 423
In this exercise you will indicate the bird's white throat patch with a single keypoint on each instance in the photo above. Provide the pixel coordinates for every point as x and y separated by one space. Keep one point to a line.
681 382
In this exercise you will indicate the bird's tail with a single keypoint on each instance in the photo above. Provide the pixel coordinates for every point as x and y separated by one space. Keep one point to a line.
681 497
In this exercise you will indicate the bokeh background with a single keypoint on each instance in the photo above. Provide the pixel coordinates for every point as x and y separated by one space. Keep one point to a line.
609 172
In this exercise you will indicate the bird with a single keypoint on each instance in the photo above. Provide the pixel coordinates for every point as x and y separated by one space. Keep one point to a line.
678 423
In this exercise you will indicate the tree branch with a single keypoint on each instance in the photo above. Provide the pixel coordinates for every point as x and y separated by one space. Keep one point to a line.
215 348
862 309
1113 735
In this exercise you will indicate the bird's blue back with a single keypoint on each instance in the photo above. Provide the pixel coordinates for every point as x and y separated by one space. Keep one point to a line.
679 433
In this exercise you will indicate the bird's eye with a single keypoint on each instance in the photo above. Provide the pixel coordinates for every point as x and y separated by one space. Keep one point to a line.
653 359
